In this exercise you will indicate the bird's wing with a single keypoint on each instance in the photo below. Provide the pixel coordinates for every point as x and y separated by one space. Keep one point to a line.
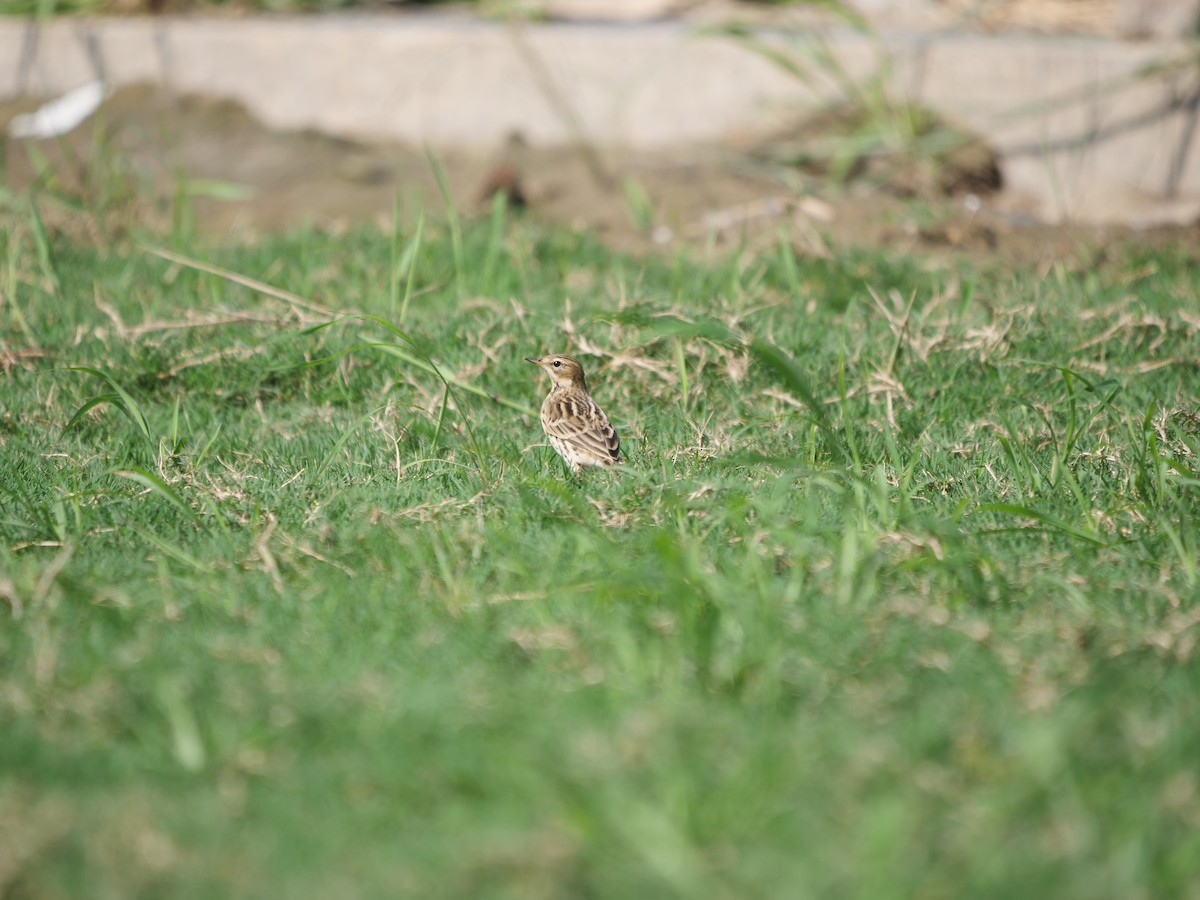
583 424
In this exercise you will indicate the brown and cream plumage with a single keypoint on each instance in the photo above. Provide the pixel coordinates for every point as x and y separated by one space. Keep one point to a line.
576 426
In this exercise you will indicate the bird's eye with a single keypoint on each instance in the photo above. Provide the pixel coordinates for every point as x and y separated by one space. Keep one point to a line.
557 363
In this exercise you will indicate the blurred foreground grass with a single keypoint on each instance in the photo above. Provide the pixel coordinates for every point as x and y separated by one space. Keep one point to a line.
896 596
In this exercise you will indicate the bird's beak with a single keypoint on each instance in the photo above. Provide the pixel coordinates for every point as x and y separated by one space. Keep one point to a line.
536 362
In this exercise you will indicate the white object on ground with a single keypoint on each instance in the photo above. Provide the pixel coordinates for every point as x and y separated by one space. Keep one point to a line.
59 116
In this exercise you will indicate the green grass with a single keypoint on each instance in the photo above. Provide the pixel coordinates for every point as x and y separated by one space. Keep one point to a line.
895 597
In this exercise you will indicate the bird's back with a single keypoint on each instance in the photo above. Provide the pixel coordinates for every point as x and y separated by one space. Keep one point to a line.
579 430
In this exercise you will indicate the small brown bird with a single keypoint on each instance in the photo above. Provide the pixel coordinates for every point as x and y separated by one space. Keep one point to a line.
578 429
505 175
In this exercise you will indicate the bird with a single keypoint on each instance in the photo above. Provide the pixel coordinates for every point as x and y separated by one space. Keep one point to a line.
506 175
577 427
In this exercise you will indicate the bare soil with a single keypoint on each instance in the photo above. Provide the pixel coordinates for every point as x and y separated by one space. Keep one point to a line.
150 157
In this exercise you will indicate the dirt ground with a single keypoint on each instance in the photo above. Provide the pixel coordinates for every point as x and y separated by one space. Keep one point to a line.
150 156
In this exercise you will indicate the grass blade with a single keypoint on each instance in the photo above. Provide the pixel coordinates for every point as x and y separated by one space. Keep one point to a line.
345 436
119 397
1052 523
785 369
159 487
42 243
452 220
495 241
408 264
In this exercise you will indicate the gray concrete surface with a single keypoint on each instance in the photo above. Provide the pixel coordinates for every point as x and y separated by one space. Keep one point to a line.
1079 135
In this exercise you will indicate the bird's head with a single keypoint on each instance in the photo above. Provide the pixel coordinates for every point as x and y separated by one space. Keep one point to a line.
564 371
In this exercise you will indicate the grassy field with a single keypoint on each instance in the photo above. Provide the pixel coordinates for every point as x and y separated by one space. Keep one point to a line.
896 595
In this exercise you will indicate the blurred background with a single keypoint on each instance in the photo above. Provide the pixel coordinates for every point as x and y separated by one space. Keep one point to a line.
895 597
984 126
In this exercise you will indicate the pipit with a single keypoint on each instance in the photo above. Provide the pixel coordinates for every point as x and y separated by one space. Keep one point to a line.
578 429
